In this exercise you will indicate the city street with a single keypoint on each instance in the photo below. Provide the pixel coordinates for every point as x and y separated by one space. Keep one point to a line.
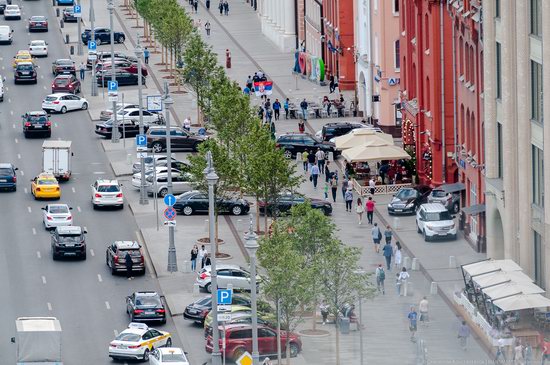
88 301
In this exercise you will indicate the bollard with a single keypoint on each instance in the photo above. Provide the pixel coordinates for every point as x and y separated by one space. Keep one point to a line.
187 266
72 50
408 288
406 262
61 23
298 157
56 11
129 159
414 265
196 288
452 262
53 2
396 223
433 288
206 226
66 38
331 156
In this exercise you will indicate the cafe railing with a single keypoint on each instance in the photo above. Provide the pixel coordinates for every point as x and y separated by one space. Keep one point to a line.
379 189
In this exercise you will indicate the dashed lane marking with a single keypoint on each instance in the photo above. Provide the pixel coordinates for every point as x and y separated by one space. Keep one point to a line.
44 280
99 278
55 125
78 208
99 172
9 99
107 305
34 231
16 140
73 189
11 112
50 306
115 332
29 209
13 125
22 173
45 88
38 254
19 156
92 252
26 191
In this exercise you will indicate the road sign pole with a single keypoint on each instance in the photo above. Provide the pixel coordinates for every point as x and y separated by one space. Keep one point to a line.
111 7
142 193
172 259
79 50
92 37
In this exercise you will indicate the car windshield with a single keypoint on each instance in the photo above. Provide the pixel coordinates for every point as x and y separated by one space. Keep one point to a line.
129 337
47 182
131 251
38 43
24 67
406 194
6 171
24 57
439 194
148 301
37 118
59 209
204 301
69 238
438 216
62 81
50 98
173 358
108 188
64 62
38 19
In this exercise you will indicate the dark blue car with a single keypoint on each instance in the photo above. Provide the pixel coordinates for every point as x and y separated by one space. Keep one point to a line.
8 177
65 2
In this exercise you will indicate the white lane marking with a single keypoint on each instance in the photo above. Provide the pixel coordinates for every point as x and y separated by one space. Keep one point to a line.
50 306
45 88
3 68
19 156
55 125
29 209
73 189
38 254
34 231
26 191
22 173
42 76
86 229
16 140
115 332
11 112
99 278
9 99
92 252
107 305
99 172
13 125
96 163
78 208
43 280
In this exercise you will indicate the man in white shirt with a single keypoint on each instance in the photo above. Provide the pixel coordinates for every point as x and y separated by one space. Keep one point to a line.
372 185
201 255
187 124
320 156
423 308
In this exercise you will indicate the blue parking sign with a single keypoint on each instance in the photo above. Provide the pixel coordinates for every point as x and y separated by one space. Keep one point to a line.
225 296
112 87
77 10
92 45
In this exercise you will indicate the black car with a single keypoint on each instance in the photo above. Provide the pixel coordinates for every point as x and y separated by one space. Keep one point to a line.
25 72
38 23
198 310
292 143
102 35
287 200
8 177
36 122
68 241
123 78
197 202
63 66
116 253
145 306
129 128
68 15
407 200
337 129
180 139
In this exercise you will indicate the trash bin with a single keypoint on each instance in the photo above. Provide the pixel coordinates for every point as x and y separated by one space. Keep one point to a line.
344 325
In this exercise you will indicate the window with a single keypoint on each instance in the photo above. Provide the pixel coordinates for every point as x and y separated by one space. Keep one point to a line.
538 175
499 71
461 55
497 9
500 152
467 62
538 256
427 96
396 55
412 82
536 18
472 66
403 17
395 9
462 125
426 32
536 92
467 137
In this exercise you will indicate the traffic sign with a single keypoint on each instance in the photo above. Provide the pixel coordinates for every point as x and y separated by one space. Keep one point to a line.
245 359
141 142
92 45
170 223
224 308
170 213
77 10
112 87
225 296
169 200
113 97
142 155
224 317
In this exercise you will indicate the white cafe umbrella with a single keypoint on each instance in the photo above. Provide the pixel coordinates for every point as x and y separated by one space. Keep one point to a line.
522 301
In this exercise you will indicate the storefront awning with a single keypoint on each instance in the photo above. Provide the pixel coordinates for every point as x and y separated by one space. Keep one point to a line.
500 277
474 209
375 153
522 301
451 188
489 266
512 288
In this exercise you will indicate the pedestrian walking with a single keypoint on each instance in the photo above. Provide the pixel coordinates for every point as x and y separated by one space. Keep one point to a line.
518 354
387 252
286 106
359 209
277 108
398 254
194 254
376 237
463 334
301 126
146 55
129 263
334 188
331 86
206 260
304 160
325 191
423 308
323 308
220 7
196 6
501 351
310 159
380 277
370 209
528 354
372 186
315 175
388 234
208 5
249 82
207 27
398 284
328 174
345 186
412 316
404 278
187 124
545 351
267 361
348 197
226 7
303 106
227 58
320 156
200 257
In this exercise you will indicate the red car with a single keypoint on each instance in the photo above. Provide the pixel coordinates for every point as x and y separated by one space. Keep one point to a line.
238 339
66 83
120 64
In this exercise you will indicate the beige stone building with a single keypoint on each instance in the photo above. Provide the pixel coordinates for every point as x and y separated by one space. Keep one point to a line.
516 38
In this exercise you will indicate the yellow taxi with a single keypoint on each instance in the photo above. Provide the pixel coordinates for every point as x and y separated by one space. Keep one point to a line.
45 186
22 56
137 341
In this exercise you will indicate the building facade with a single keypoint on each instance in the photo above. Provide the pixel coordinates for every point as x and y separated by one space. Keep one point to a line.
516 41
279 22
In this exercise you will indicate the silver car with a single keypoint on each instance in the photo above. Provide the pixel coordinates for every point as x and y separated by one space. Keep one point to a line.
448 195
181 183
136 178
151 162
235 275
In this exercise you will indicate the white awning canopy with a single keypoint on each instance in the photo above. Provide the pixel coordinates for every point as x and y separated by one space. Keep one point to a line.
362 137
512 288
522 301
501 277
487 266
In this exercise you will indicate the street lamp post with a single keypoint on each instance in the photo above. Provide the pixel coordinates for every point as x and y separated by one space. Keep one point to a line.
212 179
114 134
79 50
142 189
251 245
168 102
361 350
94 60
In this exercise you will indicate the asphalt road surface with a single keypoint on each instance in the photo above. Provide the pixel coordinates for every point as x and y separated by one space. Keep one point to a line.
88 301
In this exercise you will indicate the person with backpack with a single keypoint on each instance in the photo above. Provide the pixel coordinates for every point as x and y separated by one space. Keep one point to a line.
380 277
387 251
348 196
376 237
388 234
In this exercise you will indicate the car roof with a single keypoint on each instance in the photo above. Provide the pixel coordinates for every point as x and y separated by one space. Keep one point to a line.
69 230
127 244
25 64
58 95
6 165
171 350
66 60
433 207
58 205
137 328
36 112
107 182
147 293
235 326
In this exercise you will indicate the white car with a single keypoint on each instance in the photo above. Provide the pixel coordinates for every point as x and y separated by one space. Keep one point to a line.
12 12
181 183
137 341
168 356
56 215
108 113
63 102
136 178
133 115
107 193
433 221
38 48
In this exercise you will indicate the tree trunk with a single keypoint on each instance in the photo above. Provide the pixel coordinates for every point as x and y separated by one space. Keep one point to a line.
145 30
258 216
337 338
287 350
162 54
314 317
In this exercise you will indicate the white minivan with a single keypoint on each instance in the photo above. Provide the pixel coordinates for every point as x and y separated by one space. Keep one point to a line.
433 221
6 34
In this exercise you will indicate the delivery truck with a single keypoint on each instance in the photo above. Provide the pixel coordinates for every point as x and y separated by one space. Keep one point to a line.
38 341
56 158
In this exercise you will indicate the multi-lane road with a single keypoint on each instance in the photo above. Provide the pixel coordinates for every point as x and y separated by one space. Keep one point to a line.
89 302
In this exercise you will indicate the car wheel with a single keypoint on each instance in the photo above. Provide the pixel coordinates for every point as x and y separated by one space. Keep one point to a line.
54 256
84 105
187 210
236 210
131 316
157 147
294 349
456 208
48 135
418 228
168 342
94 206
426 237
288 154
146 355
121 39
25 134
195 147
83 257
63 109
208 288
14 188
163 192
113 271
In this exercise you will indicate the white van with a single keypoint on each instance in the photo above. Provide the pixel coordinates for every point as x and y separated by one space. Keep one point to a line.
6 34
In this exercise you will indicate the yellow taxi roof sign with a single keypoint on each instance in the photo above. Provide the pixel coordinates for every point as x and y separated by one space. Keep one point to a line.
244 359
